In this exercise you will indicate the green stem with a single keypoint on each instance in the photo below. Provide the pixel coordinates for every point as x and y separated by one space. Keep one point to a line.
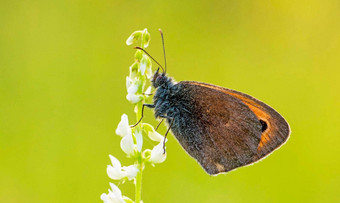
138 186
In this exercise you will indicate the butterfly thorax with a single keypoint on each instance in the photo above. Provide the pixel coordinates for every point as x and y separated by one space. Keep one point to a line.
165 89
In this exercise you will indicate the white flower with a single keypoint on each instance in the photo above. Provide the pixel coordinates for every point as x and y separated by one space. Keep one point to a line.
117 172
132 88
134 37
157 154
123 128
114 195
127 145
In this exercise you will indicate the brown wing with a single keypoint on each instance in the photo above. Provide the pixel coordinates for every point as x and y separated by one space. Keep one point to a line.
217 129
276 129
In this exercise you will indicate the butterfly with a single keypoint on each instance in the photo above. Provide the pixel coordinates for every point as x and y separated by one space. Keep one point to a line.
222 129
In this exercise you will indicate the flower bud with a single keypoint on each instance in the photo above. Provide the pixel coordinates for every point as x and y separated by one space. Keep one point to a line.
133 71
146 38
139 55
145 64
134 37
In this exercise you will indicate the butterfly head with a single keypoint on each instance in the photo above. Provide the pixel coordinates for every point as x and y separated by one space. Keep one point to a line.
161 80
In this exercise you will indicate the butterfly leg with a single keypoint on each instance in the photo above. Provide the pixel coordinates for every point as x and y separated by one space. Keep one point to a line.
159 124
144 105
171 122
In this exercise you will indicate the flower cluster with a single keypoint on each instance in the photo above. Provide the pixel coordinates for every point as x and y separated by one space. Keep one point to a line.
132 138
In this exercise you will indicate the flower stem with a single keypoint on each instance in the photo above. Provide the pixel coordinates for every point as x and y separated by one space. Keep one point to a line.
138 186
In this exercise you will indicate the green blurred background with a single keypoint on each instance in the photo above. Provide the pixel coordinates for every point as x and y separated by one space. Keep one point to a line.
62 91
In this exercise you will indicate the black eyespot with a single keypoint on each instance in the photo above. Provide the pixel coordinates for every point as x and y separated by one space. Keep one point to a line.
264 125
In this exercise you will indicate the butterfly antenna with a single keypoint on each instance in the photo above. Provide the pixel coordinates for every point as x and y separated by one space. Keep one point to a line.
163 49
150 57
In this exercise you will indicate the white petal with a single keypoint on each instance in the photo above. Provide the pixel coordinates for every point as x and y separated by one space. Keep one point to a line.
149 73
123 128
134 98
115 190
132 95
115 173
134 37
148 91
143 64
146 37
128 200
127 145
131 171
130 40
104 197
133 71
155 136
157 154
152 133
128 82
115 162
132 89
115 196
139 139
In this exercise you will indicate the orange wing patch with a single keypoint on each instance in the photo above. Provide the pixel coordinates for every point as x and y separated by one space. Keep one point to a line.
261 115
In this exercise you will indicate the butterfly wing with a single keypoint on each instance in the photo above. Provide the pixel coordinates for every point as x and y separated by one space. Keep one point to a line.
220 130
276 129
